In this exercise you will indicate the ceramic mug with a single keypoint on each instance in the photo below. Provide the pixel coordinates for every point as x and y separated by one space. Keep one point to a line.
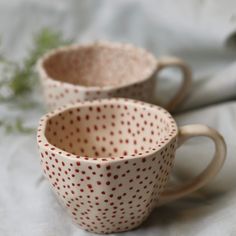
109 160
103 70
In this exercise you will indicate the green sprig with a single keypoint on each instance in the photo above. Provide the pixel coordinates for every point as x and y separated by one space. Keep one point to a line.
16 126
19 81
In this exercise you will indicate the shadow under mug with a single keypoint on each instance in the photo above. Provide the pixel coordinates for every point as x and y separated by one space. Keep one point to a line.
103 70
109 160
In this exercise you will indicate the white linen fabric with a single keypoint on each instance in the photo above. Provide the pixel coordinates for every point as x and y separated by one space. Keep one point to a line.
200 32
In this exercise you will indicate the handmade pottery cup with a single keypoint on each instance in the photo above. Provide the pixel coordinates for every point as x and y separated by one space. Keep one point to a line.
103 70
109 160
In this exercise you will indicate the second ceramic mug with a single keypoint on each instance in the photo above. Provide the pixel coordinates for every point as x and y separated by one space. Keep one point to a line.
103 70
109 161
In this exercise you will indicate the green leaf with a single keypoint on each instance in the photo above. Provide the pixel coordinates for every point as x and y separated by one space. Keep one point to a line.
20 80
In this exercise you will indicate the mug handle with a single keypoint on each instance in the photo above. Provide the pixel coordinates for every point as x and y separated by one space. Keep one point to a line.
186 81
186 132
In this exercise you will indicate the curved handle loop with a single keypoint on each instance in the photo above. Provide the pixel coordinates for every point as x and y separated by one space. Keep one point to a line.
186 81
211 170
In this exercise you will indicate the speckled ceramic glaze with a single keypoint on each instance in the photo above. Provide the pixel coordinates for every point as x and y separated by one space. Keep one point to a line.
103 70
109 160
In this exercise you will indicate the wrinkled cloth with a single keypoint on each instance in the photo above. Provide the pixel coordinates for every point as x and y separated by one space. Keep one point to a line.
200 32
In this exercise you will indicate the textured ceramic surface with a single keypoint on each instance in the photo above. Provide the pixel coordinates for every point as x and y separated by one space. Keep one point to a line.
108 161
102 70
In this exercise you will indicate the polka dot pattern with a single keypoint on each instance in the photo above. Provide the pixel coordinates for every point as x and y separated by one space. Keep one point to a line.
57 94
95 71
104 189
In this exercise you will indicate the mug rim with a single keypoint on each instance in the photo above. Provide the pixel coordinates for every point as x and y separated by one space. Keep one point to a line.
45 144
40 67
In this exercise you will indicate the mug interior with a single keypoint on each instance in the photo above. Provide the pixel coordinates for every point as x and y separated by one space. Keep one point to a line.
110 129
100 65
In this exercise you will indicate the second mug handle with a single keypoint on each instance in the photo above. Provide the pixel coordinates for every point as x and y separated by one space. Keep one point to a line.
186 81
211 170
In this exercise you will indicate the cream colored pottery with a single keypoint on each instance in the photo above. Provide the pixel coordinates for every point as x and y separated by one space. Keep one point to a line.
104 70
108 161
